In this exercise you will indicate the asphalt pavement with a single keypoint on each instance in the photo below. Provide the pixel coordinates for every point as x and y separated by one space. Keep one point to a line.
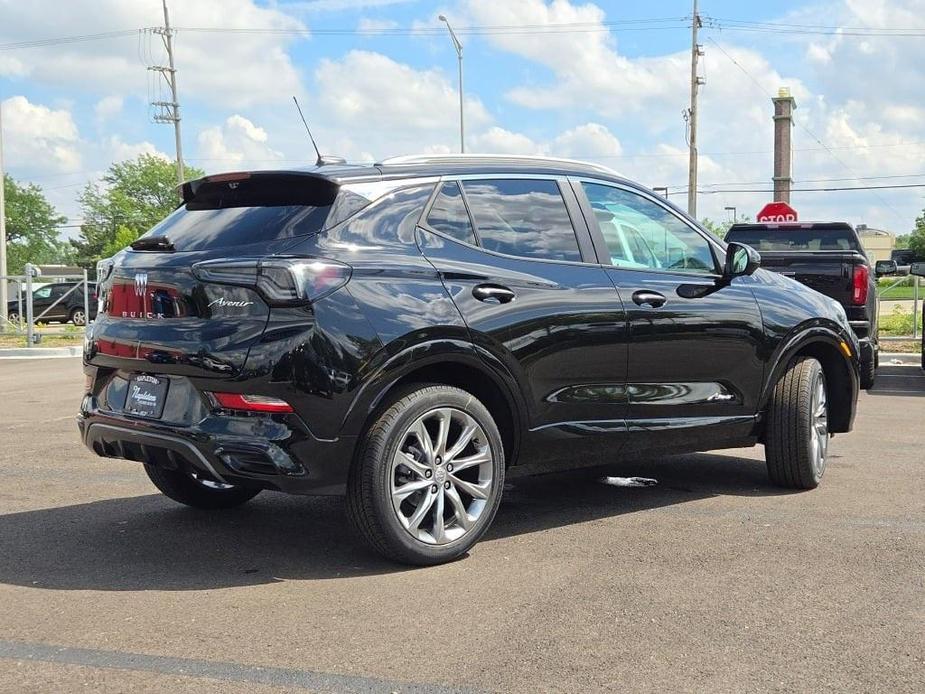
710 581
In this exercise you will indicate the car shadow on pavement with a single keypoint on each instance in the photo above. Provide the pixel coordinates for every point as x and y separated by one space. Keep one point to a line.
905 381
150 543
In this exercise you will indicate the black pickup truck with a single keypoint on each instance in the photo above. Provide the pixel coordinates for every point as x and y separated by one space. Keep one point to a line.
827 257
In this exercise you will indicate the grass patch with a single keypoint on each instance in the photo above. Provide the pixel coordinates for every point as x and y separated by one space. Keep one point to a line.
48 340
899 322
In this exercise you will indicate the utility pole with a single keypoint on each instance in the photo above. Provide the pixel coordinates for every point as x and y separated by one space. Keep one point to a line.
169 111
691 115
459 56
3 284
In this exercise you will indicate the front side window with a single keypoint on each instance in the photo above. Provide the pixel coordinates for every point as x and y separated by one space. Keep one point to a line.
643 235
42 293
522 217
448 214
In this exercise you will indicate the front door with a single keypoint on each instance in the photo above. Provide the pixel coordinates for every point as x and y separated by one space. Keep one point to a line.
525 279
695 368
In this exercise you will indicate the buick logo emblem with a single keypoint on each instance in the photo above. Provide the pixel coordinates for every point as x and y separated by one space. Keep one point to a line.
141 283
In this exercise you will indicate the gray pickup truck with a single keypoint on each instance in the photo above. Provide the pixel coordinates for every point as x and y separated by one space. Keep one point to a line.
827 257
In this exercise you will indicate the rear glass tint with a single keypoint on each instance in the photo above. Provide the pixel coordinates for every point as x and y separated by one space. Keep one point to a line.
227 211
449 215
785 238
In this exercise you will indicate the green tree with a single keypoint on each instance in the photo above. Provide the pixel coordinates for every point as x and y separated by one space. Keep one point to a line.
32 226
917 237
720 229
132 197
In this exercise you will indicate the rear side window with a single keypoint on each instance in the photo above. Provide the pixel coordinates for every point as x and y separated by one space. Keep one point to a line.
390 221
522 217
448 214
234 211
788 238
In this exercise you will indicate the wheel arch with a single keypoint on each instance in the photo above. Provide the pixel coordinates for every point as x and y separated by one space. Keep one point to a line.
841 373
452 363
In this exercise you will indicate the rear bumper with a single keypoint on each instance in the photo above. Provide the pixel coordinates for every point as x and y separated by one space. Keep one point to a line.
266 451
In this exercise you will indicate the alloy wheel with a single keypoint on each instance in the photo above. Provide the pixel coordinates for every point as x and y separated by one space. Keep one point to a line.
820 424
441 476
79 318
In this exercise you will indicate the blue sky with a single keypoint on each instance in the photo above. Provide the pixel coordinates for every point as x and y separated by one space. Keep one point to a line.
578 85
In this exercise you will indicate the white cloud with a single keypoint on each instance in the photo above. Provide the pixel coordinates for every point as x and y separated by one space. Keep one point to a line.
234 69
497 140
108 107
237 143
36 137
392 106
588 141
368 25
115 149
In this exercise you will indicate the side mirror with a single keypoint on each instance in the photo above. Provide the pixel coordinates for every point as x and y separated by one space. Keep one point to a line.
882 268
917 269
740 260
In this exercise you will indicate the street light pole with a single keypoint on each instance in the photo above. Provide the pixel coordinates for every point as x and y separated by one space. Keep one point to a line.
459 55
3 284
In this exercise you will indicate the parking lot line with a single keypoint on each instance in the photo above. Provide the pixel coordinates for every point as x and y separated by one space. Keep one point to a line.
230 672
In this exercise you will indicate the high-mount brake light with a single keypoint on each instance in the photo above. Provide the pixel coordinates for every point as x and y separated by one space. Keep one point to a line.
282 281
859 284
251 403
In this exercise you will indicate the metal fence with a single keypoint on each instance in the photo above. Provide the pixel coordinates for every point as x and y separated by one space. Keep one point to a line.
916 294
23 304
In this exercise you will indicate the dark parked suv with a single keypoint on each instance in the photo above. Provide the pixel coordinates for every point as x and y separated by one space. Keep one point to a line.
402 333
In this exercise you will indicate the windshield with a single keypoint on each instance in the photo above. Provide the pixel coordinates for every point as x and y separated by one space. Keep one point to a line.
788 238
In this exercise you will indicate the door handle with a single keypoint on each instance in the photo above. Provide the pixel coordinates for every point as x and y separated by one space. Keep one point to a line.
653 299
493 294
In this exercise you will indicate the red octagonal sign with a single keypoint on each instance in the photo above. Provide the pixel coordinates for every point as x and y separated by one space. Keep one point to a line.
777 212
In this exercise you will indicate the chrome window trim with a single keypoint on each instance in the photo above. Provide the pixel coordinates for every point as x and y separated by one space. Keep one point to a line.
560 181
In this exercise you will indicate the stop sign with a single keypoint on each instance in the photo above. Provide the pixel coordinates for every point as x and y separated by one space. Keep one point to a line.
777 212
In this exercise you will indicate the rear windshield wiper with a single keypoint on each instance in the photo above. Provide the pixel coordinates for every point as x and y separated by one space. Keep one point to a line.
153 243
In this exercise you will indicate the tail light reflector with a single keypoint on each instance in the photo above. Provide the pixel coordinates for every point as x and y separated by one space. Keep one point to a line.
859 285
283 281
251 403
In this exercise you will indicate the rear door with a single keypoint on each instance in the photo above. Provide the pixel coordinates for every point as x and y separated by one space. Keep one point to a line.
525 278
695 364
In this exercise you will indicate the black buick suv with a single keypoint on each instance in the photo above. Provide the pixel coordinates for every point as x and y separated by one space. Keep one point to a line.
401 333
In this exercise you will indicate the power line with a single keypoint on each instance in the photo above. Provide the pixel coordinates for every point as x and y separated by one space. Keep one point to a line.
38 43
836 189
805 129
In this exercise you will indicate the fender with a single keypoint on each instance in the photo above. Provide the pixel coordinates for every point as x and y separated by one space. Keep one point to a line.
798 339
416 356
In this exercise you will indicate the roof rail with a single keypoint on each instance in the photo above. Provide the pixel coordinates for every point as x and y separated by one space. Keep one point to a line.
411 159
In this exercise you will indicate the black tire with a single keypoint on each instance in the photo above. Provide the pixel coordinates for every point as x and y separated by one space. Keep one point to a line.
369 502
186 489
789 449
77 317
868 373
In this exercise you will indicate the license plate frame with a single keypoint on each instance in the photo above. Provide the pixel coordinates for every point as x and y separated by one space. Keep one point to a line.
146 396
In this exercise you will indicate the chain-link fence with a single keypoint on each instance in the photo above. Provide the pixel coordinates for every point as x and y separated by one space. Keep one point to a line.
35 300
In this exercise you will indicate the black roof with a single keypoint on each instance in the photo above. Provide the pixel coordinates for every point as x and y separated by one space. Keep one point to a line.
449 165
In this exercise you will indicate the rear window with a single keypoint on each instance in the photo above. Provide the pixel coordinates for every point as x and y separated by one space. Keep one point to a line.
785 238
237 210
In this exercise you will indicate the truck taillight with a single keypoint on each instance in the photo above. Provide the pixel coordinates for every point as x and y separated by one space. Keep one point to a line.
860 281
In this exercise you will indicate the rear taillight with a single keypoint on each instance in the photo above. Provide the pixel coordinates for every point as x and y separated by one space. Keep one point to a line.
859 285
281 281
251 403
